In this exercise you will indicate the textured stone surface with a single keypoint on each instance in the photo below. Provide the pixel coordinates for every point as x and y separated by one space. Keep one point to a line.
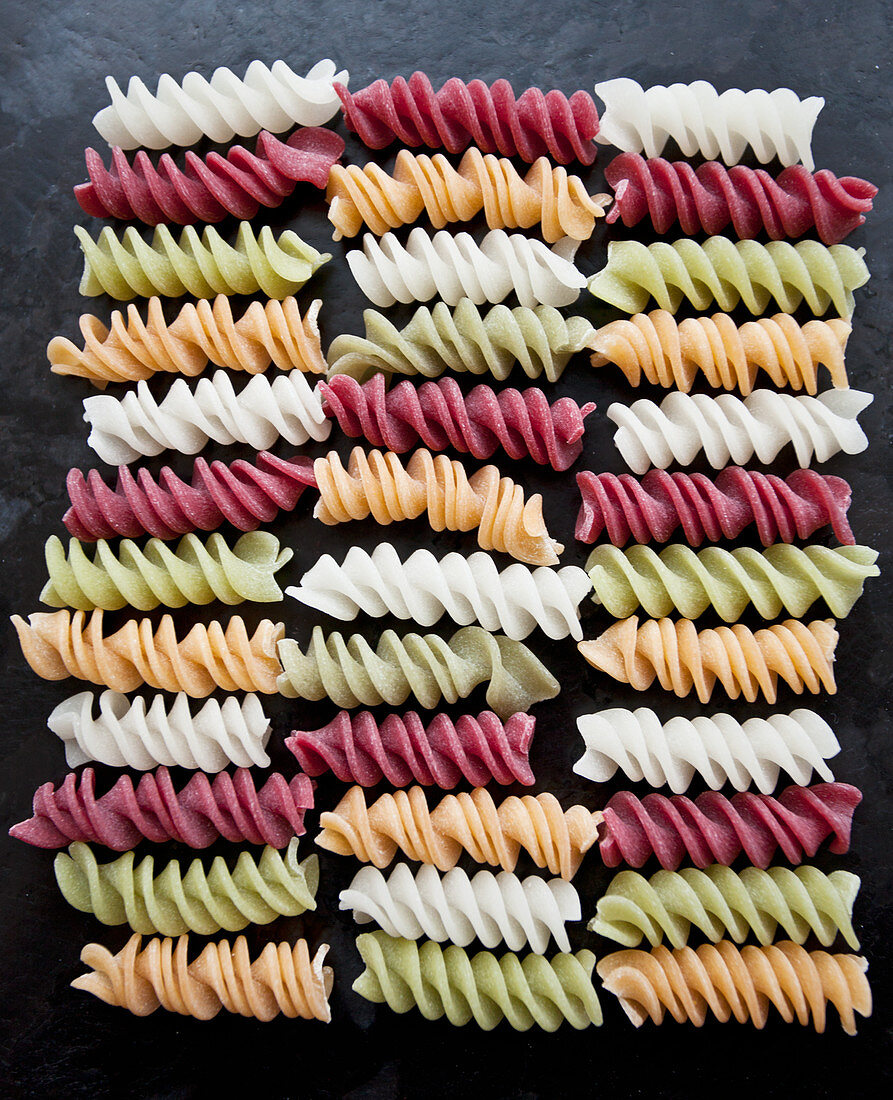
56 1042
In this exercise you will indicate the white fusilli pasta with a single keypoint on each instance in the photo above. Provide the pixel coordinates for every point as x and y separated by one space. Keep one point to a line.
453 267
126 734
267 98
492 908
726 428
184 420
514 601
703 121
720 749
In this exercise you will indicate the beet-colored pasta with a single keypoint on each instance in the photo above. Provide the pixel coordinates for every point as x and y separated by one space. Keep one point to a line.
653 507
710 197
245 494
211 188
438 415
715 829
227 806
458 115
401 749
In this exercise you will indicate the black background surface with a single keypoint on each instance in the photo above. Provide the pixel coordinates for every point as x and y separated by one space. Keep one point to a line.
57 1042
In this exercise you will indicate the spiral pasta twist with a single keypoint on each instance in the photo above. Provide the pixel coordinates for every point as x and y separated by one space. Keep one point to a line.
462 340
369 197
721 902
132 349
184 420
358 748
535 124
713 124
209 188
267 98
670 353
282 979
745 662
351 673
128 733
726 427
143 577
780 578
653 507
446 982
726 981
716 829
229 806
60 644
710 197
244 494
454 266
515 600
202 266
473 823
256 891
520 422
720 749
455 908
378 484
731 272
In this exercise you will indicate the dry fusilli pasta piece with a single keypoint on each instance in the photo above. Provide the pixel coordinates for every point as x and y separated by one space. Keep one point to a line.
719 902
515 600
181 113
462 340
203 266
720 749
351 673
282 979
473 823
145 576
446 982
726 981
378 484
60 644
256 891
129 733
131 349
657 348
731 272
745 662
707 122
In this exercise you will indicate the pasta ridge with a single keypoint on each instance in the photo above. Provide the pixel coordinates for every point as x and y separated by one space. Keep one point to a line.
282 979
725 981
556 839
131 349
59 644
540 340
203 266
378 484
175 901
745 662
731 272
358 748
515 600
351 673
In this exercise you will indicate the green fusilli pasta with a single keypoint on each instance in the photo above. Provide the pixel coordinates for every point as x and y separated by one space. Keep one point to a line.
463 340
781 577
448 982
728 272
721 902
351 673
143 577
131 267
172 902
